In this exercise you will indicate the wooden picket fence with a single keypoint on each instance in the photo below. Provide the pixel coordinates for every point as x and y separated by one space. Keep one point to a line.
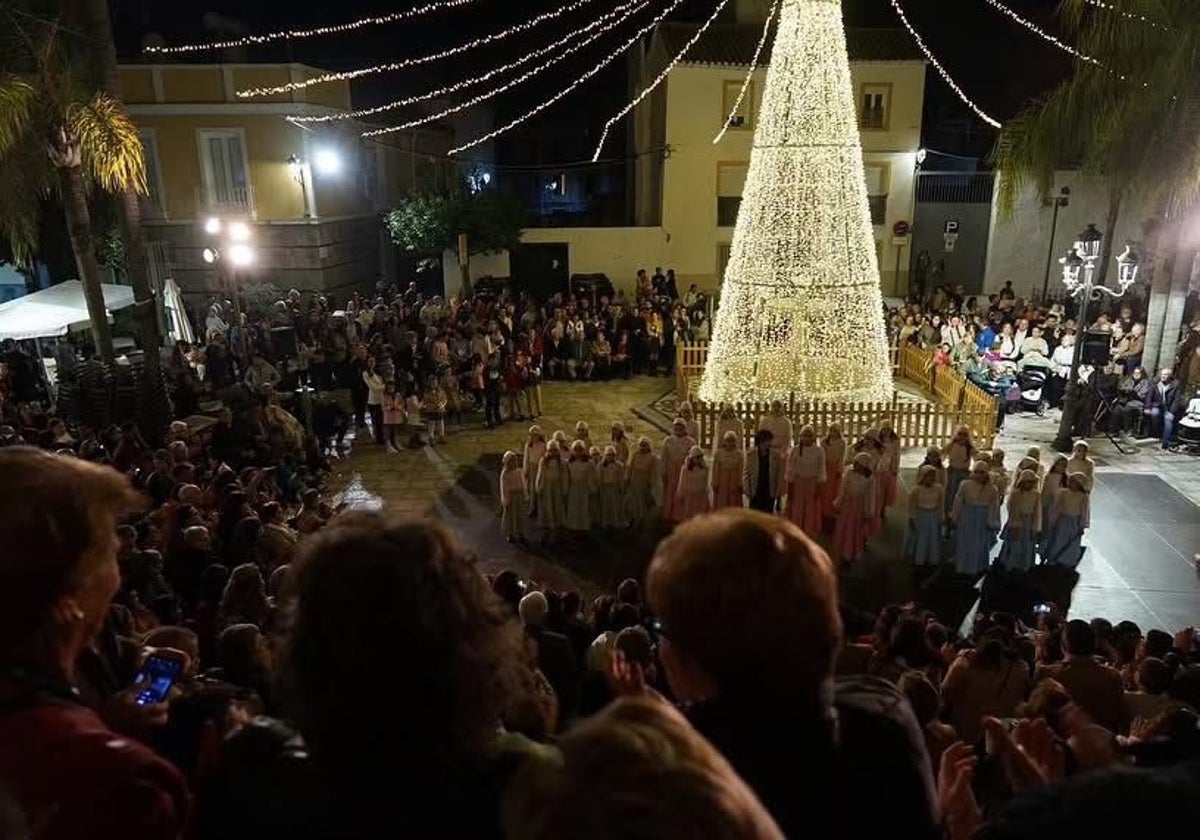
916 424
955 402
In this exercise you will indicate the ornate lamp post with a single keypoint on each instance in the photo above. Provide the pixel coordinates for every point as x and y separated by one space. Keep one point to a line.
1079 276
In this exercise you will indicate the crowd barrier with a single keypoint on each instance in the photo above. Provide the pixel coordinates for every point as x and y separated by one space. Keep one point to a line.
953 402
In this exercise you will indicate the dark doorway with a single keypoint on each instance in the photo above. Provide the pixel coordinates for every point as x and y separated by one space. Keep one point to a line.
540 269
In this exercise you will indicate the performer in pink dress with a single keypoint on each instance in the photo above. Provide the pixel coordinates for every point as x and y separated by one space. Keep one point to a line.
855 510
693 490
805 475
835 464
675 448
729 464
887 471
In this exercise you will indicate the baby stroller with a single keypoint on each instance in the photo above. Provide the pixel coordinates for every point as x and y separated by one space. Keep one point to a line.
1032 382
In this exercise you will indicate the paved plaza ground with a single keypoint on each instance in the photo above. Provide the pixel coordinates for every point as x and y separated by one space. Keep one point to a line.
1145 520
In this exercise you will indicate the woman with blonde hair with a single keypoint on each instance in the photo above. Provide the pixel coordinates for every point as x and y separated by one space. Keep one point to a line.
804 476
728 467
659 776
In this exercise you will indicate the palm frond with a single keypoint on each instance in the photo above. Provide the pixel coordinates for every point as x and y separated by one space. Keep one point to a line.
18 98
26 180
108 138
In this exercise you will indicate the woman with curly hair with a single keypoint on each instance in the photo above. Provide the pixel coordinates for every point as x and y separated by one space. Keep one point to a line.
397 669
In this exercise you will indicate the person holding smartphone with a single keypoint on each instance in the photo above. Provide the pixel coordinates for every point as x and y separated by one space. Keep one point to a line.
70 774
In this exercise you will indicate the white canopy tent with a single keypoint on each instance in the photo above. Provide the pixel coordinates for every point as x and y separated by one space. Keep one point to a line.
53 311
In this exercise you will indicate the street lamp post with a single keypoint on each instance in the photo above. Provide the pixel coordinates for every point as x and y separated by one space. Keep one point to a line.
1060 201
1079 276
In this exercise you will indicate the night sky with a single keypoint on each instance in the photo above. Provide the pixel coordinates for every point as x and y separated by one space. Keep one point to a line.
998 62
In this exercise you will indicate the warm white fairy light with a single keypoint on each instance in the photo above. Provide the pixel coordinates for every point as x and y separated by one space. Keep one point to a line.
659 79
298 34
737 103
491 38
979 112
621 12
1042 33
801 309
1109 7
604 62
524 77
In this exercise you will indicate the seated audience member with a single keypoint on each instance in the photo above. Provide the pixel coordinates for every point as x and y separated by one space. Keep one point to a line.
70 775
636 770
988 681
1095 688
396 669
750 628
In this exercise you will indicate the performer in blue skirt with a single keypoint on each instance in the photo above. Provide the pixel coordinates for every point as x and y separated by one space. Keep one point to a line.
1072 517
1024 521
976 517
925 506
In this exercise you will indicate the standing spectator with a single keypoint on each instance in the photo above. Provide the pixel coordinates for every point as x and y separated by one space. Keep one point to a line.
750 619
72 776
391 730
375 394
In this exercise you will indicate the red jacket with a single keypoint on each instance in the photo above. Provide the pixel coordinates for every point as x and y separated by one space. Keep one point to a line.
75 779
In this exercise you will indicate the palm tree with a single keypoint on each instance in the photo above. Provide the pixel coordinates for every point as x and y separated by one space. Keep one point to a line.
58 134
1133 117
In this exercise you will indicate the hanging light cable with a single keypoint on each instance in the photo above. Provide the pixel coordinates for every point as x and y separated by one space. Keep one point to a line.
937 65
1041 33
298 34
661 76
737 103
604 62
325 78
1109 7
494 92
607 21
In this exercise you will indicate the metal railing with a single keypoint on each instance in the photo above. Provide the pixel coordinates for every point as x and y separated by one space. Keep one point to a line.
232 201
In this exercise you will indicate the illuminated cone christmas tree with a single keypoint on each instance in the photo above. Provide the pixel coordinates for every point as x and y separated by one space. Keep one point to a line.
801 310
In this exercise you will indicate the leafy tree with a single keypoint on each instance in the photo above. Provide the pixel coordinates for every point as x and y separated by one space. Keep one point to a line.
430 221
58 134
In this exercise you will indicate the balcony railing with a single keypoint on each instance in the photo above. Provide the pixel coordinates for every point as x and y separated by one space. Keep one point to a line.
235 201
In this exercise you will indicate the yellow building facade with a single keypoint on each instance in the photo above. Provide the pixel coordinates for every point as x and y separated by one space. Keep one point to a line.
312 198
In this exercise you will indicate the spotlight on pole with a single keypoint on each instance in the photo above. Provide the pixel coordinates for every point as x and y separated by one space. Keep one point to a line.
241 255
239 232
212 226
210 255
328 162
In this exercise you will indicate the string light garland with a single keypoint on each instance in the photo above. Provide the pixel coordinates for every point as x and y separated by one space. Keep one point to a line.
920 42
1109 7
1041 33
801 309
660 78
298 34
375 70
737 103
604 62
621 12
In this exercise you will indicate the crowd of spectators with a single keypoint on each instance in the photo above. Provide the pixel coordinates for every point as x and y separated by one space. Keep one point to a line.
417 363
1022 352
